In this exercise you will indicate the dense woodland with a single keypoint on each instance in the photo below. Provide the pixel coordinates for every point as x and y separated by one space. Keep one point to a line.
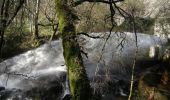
28 24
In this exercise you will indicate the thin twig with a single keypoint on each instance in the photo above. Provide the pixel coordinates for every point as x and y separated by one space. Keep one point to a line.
134 61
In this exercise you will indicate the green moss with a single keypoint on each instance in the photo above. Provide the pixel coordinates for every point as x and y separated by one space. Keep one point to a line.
79 83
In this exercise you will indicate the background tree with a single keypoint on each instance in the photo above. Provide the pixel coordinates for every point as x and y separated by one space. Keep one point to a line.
36 33
7 17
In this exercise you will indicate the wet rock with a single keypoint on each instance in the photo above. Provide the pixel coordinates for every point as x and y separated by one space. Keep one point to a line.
51 91
2 88
11 94
113 97
46 89
67 97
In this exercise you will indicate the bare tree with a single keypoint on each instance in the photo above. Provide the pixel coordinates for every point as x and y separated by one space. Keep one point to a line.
9 10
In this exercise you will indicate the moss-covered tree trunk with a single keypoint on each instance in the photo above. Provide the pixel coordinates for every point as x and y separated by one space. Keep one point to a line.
78 81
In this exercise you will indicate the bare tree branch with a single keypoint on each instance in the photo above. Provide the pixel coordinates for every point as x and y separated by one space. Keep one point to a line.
85 34
99 1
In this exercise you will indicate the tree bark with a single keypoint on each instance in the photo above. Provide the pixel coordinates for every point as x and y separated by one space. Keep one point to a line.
78 80
36 33
3 20
2 31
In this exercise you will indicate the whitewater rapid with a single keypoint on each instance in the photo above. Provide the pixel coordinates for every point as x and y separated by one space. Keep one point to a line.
24 71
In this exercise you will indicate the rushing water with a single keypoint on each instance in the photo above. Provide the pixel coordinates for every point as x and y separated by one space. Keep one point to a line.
46 63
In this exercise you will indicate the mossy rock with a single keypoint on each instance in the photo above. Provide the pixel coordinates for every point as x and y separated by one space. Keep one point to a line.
46 91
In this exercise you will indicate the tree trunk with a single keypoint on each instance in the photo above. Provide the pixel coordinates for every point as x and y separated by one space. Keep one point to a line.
78 80
36 33
3 21
1 41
